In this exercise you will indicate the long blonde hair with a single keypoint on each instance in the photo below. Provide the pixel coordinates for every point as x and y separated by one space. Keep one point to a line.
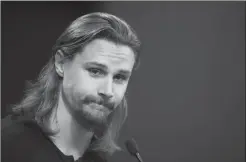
41 97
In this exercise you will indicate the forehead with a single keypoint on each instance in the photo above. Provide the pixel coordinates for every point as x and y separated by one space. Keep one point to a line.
108 53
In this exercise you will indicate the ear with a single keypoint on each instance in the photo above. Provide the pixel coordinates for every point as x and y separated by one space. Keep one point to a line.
59 63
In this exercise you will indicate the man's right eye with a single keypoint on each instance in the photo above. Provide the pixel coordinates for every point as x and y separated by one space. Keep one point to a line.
96 72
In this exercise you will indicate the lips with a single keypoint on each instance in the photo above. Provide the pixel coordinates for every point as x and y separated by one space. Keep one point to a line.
89 100
97 106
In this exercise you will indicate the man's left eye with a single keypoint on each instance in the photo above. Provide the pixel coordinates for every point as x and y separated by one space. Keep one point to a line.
120 78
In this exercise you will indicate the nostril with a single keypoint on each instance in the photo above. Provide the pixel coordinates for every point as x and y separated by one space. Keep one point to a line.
106 95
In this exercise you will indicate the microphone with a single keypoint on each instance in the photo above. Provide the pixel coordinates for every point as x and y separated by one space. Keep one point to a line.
132 148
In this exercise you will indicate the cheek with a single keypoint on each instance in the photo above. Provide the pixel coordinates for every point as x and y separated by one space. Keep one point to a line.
78 82
120 92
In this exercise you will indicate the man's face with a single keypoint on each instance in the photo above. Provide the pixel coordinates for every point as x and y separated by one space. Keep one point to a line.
95 81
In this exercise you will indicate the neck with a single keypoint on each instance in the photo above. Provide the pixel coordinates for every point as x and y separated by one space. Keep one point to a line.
72 138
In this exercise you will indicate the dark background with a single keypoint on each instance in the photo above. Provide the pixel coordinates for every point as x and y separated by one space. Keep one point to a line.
187 99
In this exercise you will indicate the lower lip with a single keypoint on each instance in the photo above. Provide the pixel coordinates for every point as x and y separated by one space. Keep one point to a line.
97 106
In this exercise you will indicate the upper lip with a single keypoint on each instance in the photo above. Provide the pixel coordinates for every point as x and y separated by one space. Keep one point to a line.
108 106
98 104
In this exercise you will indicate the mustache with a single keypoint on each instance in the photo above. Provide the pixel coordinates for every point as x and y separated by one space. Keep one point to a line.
92 99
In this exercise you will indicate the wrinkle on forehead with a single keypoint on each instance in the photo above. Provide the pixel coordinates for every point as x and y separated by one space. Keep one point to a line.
114 55
105 48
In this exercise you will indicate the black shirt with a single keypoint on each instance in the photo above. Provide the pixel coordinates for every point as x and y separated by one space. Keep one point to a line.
24 141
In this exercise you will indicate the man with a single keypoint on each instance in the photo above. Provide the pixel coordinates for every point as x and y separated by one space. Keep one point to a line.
77 106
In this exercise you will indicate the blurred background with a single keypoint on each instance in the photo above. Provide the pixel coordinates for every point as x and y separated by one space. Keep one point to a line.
187 99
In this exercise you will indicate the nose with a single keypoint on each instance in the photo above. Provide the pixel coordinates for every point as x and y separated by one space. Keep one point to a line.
106 90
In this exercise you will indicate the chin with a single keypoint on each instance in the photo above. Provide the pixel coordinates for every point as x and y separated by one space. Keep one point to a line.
98 122
95 116
99 118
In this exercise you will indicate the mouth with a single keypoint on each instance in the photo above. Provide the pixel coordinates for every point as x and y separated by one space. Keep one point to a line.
98 106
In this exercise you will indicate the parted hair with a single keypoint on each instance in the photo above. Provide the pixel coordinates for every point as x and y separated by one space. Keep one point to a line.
41 97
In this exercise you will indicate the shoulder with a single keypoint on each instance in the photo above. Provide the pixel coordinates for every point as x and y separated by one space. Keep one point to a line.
19 132
12 127
24 140
20 139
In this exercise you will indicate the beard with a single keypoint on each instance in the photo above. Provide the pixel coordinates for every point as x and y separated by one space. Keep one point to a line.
89 111
95 113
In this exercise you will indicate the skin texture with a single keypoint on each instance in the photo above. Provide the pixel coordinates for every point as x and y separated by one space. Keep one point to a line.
95 81
94 84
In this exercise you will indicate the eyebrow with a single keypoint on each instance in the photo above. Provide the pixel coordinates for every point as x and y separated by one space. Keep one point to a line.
96 64
125 72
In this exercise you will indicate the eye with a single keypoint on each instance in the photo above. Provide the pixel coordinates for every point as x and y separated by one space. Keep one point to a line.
120 78
96 72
